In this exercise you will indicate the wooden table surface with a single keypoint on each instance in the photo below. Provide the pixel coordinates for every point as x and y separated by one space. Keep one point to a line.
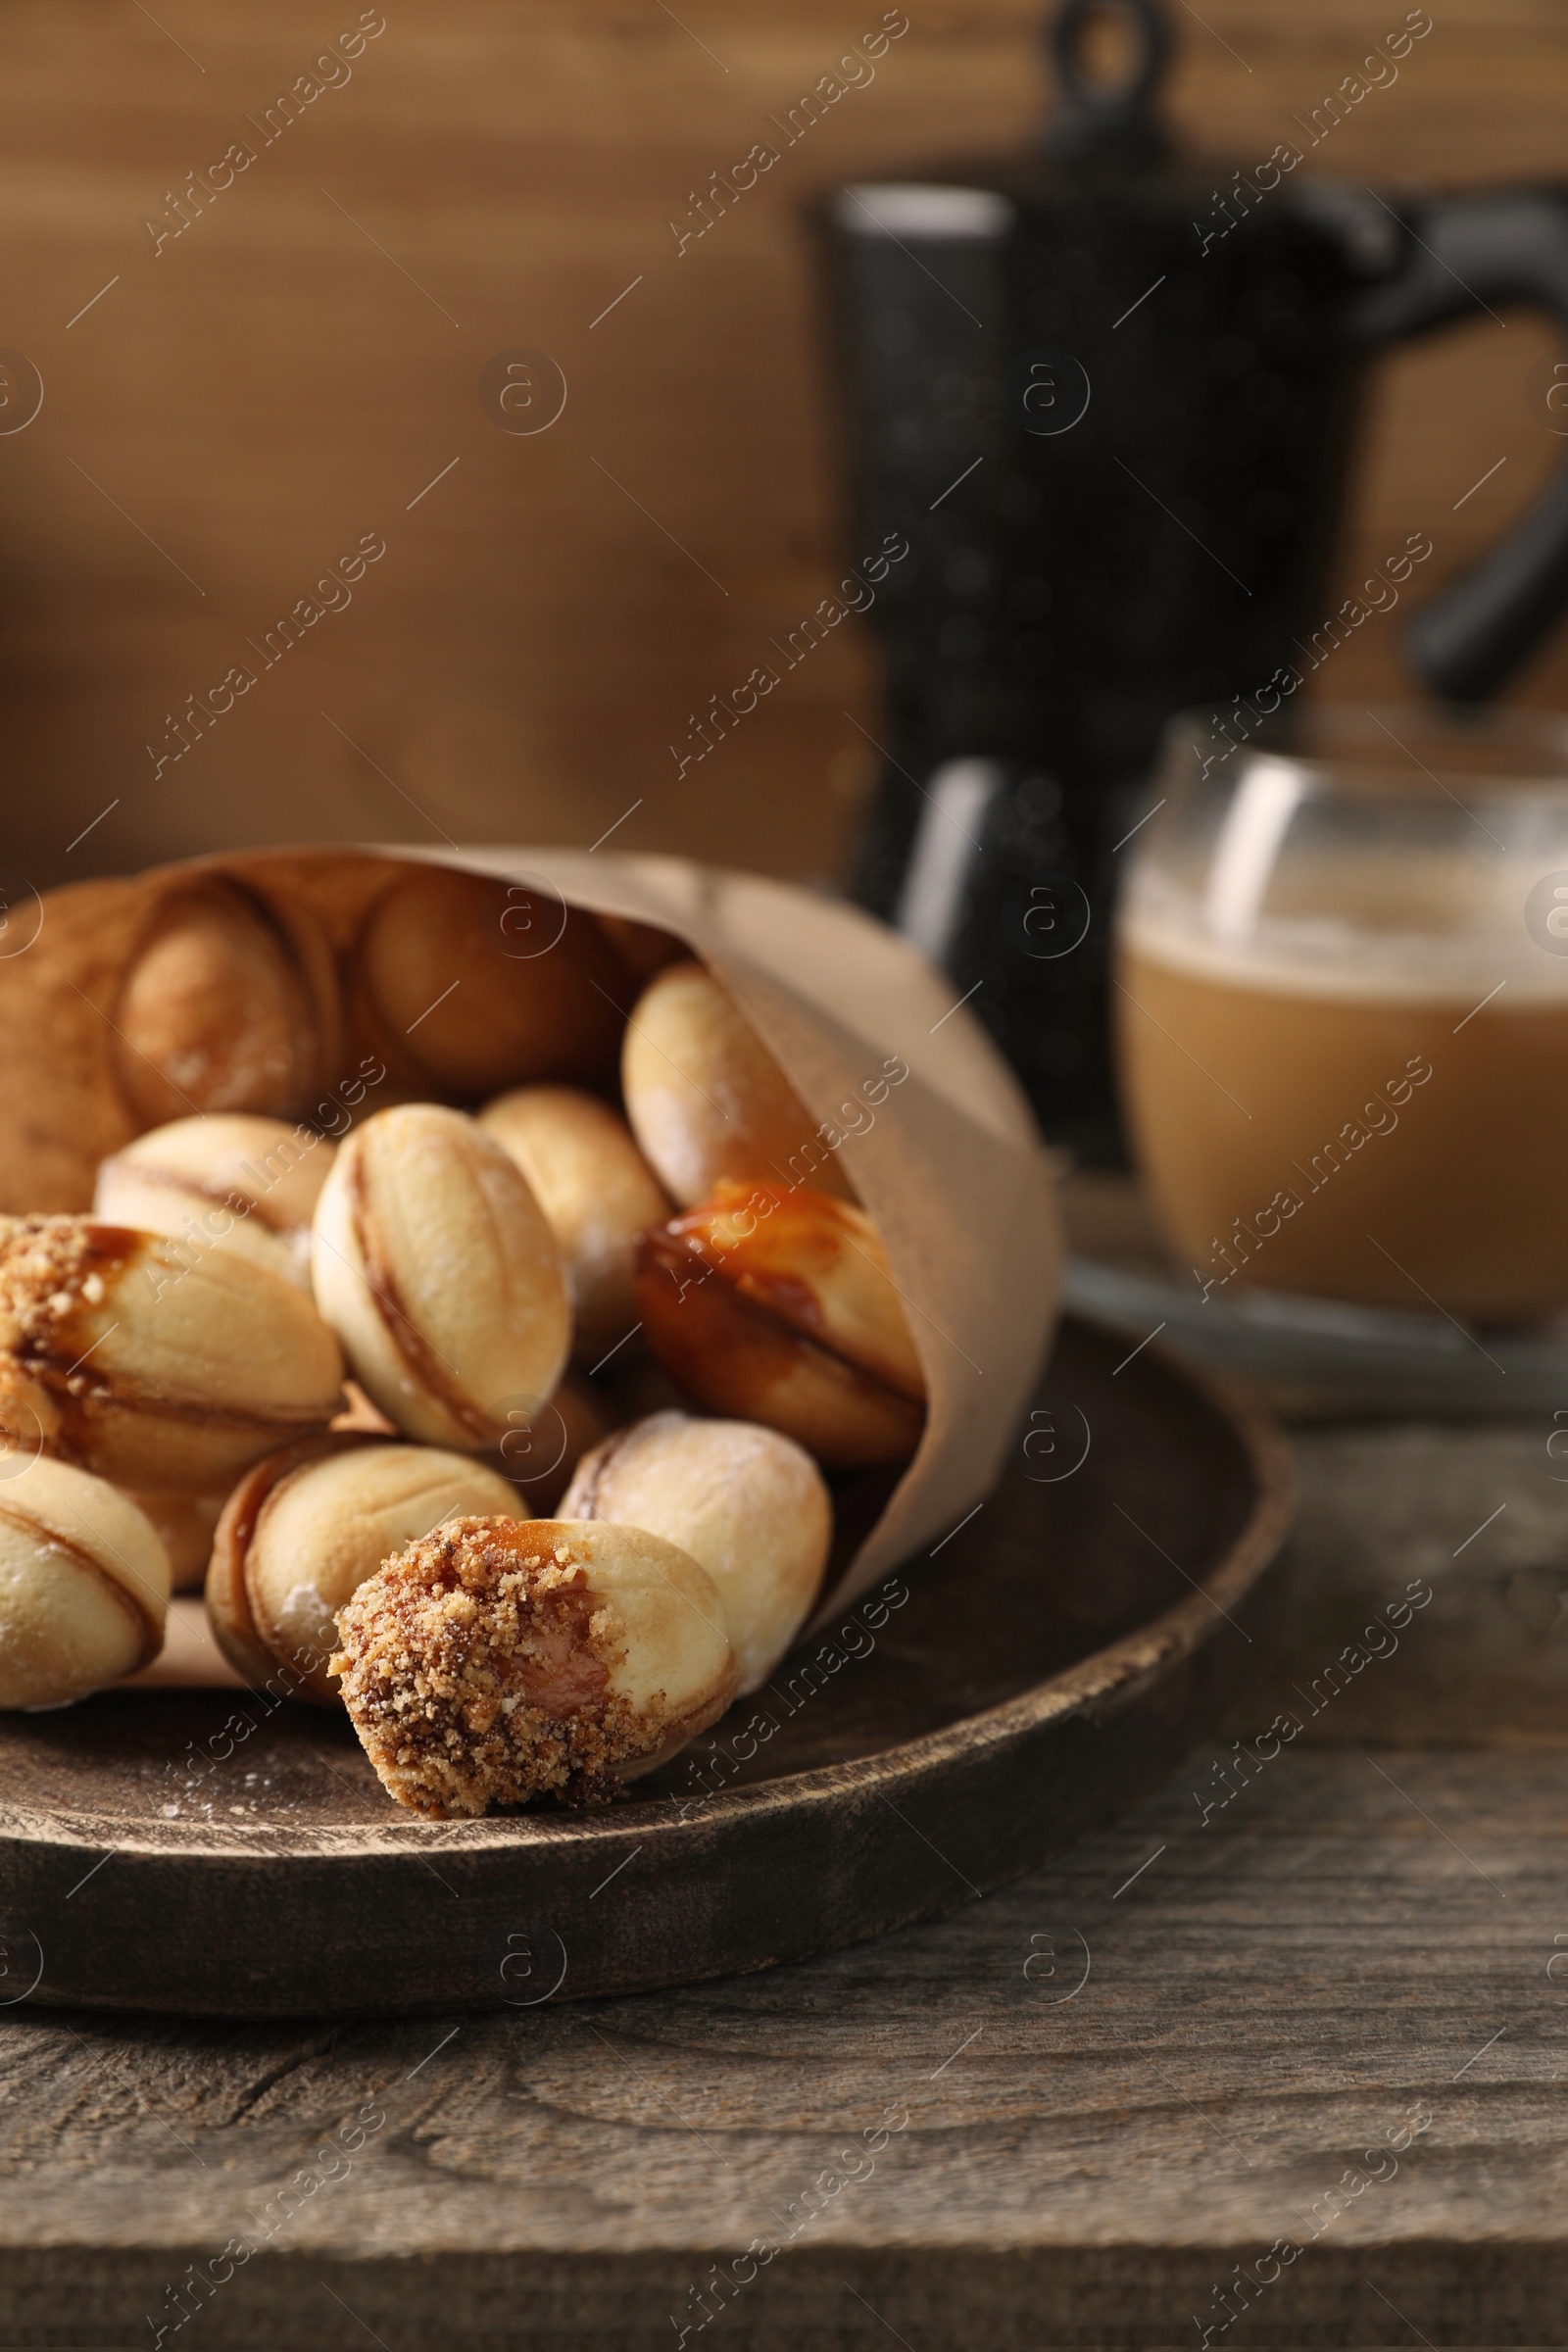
1325 2017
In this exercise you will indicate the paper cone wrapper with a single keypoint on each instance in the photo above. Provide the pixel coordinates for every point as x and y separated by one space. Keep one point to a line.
948 1164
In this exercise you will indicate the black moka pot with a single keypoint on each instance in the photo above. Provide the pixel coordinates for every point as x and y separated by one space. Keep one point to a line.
1105 394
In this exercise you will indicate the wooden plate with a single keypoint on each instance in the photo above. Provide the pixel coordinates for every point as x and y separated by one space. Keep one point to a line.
1050 1663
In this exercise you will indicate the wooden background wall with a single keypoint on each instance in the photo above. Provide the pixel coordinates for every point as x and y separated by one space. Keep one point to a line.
234 412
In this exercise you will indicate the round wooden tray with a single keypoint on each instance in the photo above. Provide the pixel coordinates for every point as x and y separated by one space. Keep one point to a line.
1050 1662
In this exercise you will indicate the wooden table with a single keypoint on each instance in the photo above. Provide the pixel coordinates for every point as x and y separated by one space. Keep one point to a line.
1324 2020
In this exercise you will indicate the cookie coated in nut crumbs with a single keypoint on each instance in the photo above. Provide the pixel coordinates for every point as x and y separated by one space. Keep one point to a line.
476 1668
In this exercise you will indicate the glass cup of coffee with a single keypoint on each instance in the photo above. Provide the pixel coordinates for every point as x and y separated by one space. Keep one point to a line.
1342 1009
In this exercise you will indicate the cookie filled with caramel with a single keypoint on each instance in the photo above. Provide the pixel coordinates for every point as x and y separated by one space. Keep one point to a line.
498 1660
151 1365
778 1304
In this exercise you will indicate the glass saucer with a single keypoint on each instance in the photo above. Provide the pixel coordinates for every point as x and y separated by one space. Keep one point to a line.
1313 1359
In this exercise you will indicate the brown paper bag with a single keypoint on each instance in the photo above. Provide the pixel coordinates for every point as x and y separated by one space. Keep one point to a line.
947 1160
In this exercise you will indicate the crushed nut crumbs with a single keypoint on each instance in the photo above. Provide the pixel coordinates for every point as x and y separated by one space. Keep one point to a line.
44 1265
